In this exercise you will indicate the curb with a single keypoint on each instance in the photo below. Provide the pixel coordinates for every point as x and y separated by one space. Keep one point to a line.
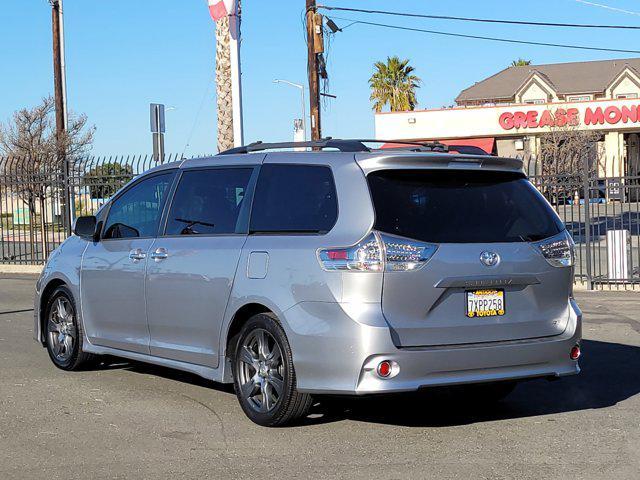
7 268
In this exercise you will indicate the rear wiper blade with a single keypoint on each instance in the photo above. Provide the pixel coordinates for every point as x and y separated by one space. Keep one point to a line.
531 238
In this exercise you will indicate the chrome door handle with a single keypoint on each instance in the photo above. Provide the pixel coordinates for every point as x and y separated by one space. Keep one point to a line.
159 254
137 254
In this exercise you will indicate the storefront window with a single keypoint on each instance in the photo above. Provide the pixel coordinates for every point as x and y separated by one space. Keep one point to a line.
579 98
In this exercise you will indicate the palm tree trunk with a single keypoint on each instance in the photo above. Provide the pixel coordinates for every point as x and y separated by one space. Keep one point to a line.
223 85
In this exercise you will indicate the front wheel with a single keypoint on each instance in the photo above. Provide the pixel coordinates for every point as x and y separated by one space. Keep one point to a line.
64 332
264 377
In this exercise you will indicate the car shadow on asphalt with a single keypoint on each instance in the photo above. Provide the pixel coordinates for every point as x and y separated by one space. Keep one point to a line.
610 374
114 363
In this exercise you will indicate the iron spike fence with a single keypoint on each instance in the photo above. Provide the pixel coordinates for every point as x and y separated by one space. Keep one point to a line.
599 205
32 194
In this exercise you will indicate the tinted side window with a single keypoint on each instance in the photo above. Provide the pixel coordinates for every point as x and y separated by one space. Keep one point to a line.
136 213
443 206
294 198
209 202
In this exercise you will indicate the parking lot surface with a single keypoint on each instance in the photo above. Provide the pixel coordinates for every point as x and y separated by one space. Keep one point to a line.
131 420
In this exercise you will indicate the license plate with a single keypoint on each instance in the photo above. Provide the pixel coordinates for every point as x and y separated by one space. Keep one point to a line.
485 303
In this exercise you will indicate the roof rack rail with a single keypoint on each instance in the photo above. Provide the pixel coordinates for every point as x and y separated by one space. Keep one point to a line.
413 146
343 145
328 142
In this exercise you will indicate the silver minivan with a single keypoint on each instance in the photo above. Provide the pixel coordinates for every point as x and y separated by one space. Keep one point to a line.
338 270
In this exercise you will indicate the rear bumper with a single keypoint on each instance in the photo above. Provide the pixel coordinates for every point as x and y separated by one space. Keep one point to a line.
340 354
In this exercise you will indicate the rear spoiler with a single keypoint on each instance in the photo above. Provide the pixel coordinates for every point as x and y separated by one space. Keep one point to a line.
382 161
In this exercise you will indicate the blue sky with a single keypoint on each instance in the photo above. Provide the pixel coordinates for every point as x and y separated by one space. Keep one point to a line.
124 54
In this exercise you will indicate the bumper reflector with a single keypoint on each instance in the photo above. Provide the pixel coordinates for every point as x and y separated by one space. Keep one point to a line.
384 368
574 354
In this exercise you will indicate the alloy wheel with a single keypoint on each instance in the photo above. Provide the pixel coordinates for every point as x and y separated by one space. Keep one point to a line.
261 371
61 329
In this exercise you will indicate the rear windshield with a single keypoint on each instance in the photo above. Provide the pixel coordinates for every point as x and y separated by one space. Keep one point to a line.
443 206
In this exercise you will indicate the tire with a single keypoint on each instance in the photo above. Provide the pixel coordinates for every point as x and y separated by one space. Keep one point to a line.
263 374
63 332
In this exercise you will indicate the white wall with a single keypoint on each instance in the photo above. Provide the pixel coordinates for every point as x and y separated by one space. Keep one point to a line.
483 121
626 85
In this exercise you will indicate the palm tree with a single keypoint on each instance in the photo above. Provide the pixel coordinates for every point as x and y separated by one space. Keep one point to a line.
393 83
223 84
520 62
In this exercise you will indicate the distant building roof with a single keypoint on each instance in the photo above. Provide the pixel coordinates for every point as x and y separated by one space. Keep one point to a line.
575 77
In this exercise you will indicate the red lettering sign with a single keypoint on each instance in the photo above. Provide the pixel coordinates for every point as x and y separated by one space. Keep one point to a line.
593 117
546 119
532 119
612 115
506 120
630 114
561 117
520 119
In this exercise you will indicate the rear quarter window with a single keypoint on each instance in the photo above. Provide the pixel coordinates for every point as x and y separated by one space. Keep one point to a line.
294 199
444 206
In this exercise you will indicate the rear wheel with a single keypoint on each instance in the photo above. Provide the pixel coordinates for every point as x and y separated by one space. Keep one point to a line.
63 332
264 376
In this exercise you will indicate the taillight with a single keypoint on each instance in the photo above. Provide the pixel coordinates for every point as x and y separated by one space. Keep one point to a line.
403 254
365 256
558 250
378 252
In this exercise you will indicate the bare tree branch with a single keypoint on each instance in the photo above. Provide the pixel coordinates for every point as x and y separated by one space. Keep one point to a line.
34 154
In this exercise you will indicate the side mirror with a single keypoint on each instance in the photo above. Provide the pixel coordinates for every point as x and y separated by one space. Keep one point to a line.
85 227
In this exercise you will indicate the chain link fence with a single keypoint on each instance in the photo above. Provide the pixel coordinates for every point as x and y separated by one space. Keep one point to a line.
601 211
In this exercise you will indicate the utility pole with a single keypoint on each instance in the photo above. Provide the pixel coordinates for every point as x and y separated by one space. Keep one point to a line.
59 89
314 47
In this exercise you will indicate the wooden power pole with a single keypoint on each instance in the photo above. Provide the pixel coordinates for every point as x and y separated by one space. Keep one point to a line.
61 107
314 47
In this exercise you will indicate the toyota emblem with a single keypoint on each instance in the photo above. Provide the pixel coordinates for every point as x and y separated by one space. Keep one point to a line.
489 259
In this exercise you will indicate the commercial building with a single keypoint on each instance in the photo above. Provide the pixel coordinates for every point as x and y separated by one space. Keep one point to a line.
507 112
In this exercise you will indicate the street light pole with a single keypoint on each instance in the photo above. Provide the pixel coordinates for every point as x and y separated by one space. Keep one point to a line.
304 108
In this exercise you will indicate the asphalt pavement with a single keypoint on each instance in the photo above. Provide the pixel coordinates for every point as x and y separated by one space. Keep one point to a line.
131 420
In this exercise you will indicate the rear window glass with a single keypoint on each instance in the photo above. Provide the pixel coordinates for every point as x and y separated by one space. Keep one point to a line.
209 202
294 199
443 206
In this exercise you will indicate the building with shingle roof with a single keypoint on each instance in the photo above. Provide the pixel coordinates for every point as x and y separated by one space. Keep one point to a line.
556 82
508 112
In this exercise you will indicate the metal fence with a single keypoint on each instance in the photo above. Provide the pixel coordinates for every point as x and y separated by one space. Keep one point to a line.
601 212
35 193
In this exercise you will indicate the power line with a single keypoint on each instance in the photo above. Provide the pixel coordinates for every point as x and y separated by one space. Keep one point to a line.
479 37
607 7
487 20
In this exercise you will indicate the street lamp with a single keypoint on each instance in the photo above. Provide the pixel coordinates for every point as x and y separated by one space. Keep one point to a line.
304 114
